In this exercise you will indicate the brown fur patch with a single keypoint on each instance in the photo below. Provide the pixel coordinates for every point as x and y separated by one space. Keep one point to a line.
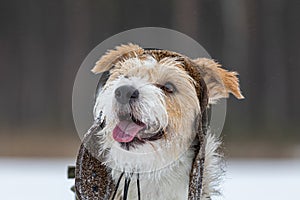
174 114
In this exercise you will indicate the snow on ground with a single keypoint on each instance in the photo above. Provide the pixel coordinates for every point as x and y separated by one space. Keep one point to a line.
35 179
262 180
46 179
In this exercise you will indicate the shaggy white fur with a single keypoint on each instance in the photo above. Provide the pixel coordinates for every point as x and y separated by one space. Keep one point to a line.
213 167
171 181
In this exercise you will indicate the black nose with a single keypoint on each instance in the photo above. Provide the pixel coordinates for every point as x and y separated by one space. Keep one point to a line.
125 93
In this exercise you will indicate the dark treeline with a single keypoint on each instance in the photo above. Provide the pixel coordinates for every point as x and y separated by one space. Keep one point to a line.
42 44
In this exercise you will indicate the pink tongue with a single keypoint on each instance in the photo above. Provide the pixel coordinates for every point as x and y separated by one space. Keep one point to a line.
125 131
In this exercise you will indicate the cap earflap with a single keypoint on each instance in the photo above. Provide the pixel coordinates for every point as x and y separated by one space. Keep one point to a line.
196 174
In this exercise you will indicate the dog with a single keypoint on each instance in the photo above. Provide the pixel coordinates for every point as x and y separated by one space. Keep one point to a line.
152 107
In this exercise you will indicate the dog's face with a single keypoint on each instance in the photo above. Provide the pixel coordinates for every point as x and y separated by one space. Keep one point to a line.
150 108
148 105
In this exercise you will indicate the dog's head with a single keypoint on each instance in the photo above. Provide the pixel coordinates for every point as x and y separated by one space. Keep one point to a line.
152 101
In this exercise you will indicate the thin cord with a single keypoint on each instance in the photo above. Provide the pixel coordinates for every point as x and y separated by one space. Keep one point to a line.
126 187
117 186
138 186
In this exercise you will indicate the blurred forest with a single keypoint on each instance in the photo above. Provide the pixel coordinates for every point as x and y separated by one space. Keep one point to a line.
42 44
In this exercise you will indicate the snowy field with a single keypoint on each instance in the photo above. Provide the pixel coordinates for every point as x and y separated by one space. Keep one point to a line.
38 179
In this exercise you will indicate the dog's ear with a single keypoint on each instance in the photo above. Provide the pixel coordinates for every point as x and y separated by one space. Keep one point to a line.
107 61
219 81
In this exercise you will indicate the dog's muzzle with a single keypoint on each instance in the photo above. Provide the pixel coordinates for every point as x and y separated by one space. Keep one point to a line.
124 94
127 128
